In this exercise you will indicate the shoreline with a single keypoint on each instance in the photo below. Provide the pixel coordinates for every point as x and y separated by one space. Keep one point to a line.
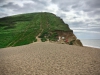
91 46
94 43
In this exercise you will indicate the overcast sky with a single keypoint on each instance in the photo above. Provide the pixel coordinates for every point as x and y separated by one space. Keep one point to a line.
82 16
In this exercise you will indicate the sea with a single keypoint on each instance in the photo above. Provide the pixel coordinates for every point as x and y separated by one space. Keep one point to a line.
91 42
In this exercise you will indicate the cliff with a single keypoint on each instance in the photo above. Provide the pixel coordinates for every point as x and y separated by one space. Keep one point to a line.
26 28
70 37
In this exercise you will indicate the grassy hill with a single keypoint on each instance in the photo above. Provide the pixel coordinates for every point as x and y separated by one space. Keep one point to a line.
23 28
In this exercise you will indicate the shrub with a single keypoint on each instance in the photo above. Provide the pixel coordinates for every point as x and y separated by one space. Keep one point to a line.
53 36
43 34
43 39
35 40
71 42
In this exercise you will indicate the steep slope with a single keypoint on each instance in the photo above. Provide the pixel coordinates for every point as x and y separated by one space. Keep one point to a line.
24 28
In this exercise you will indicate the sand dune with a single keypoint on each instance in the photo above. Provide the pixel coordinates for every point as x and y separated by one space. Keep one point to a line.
49 59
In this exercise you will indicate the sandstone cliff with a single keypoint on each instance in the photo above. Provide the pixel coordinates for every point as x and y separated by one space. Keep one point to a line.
69 36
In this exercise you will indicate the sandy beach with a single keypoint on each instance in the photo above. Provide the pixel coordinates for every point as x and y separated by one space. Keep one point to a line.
49 59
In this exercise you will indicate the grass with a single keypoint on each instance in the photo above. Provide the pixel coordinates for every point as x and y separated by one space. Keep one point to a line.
23 28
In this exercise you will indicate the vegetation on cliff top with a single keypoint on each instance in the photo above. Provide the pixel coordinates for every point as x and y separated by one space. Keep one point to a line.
23 28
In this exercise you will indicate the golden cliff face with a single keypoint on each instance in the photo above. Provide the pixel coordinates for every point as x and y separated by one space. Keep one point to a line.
69 36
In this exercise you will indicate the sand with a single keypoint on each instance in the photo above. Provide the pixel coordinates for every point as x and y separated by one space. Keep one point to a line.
49 59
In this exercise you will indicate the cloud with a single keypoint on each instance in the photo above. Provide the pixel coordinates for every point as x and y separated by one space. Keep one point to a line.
2 1
98 19
93 3
94 14
24 6
43 2
10 5
64 5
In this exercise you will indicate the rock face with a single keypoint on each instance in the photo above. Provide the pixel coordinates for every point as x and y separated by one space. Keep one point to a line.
68 37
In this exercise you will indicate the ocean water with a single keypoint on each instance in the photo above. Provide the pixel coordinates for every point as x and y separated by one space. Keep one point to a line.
91 42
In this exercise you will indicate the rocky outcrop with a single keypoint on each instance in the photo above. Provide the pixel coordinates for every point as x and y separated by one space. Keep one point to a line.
77 42
69 36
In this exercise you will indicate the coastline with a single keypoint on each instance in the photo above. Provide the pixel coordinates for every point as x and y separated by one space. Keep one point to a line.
91 46
94 43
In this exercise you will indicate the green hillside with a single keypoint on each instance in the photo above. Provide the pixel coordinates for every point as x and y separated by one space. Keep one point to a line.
23 28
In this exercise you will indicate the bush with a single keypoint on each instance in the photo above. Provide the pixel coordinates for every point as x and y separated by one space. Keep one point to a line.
53 36
35 40
43 34
71 42
43 39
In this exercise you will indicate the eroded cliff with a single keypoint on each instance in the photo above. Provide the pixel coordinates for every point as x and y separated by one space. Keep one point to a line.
68 37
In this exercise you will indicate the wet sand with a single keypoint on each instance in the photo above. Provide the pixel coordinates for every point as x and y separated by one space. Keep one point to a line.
49 59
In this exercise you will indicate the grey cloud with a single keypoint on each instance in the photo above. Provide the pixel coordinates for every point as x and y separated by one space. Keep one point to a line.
42 2
27 7
2 1
82 6
78 13
62 15
75 17
66 5
90 7
78 5
77 24
95 29
94 13
93 3
87 5
30 7
63 5
10 5
39 3
98 19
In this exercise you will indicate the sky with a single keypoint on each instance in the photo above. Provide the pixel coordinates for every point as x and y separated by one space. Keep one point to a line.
82 16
